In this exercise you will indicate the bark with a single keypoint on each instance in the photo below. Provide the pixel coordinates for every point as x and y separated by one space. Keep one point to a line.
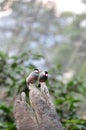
39 115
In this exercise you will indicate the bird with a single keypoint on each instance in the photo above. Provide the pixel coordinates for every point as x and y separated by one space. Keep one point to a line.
33 77
43 77
43 87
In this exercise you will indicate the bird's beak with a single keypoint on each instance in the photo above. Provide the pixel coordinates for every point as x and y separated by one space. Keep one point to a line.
46 74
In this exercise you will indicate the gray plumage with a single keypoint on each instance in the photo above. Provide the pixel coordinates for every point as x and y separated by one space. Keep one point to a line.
33 77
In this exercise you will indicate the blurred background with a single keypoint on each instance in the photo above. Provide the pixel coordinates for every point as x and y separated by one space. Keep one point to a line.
49 35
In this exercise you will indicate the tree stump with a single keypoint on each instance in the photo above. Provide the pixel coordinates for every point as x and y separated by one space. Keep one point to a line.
39 115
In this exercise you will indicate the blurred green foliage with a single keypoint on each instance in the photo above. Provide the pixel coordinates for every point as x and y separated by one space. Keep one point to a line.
66 98
14 70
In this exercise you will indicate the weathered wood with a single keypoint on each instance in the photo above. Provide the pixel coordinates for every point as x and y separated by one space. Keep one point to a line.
24 116
40 115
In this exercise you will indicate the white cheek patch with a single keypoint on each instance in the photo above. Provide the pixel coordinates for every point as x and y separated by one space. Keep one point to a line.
36 71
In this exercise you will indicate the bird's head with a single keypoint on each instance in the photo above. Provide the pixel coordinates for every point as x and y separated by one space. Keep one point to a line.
43 76
36 70
46 73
